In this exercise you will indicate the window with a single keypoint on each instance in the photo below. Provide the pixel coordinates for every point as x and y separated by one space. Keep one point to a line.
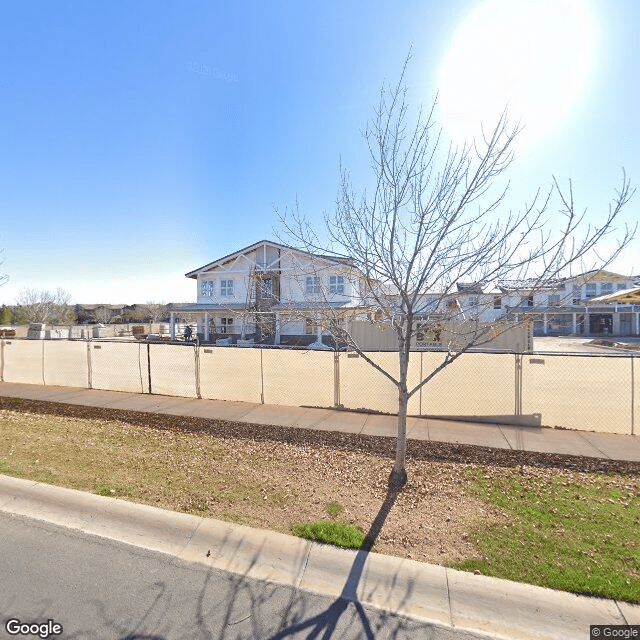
606 287
266 287
530 301
206 288
591 290
620 286
313 285
497 302
226 287
554 300
577 293
473 301
226 325
336 284
309 326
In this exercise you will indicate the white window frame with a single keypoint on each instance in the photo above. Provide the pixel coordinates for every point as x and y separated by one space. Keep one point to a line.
226 288
312 285
336 285
207 288
591 290
226 325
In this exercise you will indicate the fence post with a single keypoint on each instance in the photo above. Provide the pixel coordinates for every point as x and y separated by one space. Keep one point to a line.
422 387
336 379
518 384
149 364
197 364
89 372
2 360
43 381
633 397
261 379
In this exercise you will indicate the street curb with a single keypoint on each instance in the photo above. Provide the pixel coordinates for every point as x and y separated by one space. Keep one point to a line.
490 607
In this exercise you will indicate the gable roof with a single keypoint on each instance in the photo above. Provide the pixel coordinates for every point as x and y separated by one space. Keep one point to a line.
255 245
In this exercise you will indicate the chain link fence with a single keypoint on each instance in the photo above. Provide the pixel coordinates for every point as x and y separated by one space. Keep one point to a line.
573 391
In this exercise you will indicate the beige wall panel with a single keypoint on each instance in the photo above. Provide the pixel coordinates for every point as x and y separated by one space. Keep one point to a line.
364 387
173 370
230 373
585 393
23 361
298 378
476 384
119 366
65 363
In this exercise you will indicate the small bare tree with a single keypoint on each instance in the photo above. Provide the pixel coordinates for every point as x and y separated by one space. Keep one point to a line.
155 311
103 314
434 219
51 307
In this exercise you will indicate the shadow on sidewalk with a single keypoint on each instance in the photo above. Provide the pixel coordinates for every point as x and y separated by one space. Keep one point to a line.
324 624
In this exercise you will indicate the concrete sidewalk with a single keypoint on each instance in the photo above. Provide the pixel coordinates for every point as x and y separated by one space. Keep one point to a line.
534 439
451 600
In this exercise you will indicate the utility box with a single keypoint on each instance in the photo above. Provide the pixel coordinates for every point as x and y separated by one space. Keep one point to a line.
36 331
99 331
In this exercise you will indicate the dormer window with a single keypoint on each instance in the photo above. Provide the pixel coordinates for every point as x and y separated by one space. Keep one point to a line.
336 284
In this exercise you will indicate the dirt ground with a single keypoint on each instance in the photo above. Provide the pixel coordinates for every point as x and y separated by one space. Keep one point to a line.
274 477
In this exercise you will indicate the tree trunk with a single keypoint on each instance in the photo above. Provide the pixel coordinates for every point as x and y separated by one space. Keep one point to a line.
398 477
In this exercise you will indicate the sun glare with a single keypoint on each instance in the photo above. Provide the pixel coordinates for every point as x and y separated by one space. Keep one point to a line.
533 57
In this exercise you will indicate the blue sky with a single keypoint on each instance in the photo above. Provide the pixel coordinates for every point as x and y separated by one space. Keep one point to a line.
140 140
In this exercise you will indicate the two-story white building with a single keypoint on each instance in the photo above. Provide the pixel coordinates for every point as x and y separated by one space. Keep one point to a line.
580 305
269 293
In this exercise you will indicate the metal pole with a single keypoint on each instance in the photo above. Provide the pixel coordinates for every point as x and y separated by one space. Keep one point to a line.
149 364
89 371
197 363
518 385
422 387
261 379
633 397
336 379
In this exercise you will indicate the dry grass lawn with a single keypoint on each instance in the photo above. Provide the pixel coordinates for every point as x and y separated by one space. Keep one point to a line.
273 477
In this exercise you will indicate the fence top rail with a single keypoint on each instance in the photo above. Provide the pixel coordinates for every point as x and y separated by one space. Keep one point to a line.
616 352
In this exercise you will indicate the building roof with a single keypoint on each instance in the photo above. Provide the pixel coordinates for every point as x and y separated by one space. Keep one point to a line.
624 295
255 245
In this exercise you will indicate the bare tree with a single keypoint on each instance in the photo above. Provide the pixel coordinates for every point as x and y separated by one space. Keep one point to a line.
433 219
51 307
103 314
155 311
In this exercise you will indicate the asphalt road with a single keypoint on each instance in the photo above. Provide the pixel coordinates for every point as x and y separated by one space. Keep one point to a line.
98 588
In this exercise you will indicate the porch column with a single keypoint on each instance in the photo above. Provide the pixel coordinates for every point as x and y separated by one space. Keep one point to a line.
172 325
276 338
587 324
638 324
318 329
206 326
575 324
545 323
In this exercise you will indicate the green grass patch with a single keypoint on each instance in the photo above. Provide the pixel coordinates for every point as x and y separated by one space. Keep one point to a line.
110 490
340 534
334 508
576 533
